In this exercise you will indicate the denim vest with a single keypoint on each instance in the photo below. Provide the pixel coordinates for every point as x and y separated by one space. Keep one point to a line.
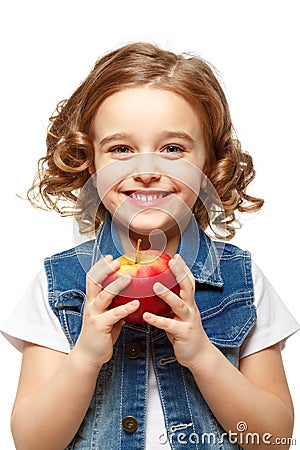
116 418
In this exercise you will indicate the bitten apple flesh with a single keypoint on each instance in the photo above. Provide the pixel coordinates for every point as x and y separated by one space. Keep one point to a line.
145 267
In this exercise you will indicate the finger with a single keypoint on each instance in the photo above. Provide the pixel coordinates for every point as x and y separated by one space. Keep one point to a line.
104 298
183 277
163 323
114 315
178 306
98 273
120 312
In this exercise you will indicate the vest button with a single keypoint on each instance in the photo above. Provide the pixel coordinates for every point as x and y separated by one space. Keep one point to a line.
130 424
133 350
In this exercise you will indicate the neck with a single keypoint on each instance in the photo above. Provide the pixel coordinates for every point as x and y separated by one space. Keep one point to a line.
157 240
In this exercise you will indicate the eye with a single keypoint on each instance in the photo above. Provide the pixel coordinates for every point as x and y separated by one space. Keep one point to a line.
173 149
121 149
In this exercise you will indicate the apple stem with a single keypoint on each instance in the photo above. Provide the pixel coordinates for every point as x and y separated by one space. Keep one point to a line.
136 256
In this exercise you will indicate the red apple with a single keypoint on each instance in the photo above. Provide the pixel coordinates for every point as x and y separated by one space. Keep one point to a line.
145 268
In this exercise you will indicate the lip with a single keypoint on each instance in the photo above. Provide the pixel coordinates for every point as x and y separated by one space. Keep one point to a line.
147 197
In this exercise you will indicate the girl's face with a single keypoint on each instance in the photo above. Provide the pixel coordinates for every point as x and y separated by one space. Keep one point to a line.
149 157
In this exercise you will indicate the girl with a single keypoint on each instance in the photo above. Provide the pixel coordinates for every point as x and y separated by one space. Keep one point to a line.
144 149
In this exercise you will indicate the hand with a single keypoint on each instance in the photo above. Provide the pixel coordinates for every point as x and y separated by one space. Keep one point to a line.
101 326
184 330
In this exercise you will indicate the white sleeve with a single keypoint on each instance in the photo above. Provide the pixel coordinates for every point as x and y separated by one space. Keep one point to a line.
33 320
274 323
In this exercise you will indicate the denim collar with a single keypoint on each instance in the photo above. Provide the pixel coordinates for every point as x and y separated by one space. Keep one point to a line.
200 253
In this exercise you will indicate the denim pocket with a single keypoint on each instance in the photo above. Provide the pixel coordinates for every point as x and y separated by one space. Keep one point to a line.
228 322
69 307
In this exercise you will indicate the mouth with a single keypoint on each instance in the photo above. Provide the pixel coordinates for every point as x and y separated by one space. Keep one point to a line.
147 197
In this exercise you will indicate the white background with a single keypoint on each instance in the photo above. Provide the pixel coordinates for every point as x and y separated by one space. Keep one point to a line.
47 48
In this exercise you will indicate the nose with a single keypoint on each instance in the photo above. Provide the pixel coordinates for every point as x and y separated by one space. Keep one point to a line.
146 169
147 177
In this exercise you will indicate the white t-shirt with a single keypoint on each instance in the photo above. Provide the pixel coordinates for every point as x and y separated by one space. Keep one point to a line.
34 321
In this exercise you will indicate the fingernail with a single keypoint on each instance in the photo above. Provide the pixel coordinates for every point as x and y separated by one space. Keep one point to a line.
115 264
123 279
134 302
159 288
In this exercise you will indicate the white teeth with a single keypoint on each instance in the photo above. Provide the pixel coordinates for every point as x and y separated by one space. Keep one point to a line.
146 198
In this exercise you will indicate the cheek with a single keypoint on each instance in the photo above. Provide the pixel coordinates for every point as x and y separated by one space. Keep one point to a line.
109 176
187 197
181 171
189 178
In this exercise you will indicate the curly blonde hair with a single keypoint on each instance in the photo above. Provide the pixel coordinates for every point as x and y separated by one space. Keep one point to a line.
64 171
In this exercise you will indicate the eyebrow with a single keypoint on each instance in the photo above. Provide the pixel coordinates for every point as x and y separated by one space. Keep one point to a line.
165 134
179 135
113 137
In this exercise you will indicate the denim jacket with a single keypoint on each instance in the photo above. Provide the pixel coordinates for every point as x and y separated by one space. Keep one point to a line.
116 418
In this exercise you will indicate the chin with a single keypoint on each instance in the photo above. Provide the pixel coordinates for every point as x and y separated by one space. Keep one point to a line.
145 225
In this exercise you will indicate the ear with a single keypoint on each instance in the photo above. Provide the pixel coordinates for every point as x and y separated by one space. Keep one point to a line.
92 172
92 169
203 183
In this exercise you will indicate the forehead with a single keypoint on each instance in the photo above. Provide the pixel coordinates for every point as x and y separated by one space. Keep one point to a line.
150 107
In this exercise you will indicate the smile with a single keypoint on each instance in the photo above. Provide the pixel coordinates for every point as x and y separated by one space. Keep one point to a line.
145 197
